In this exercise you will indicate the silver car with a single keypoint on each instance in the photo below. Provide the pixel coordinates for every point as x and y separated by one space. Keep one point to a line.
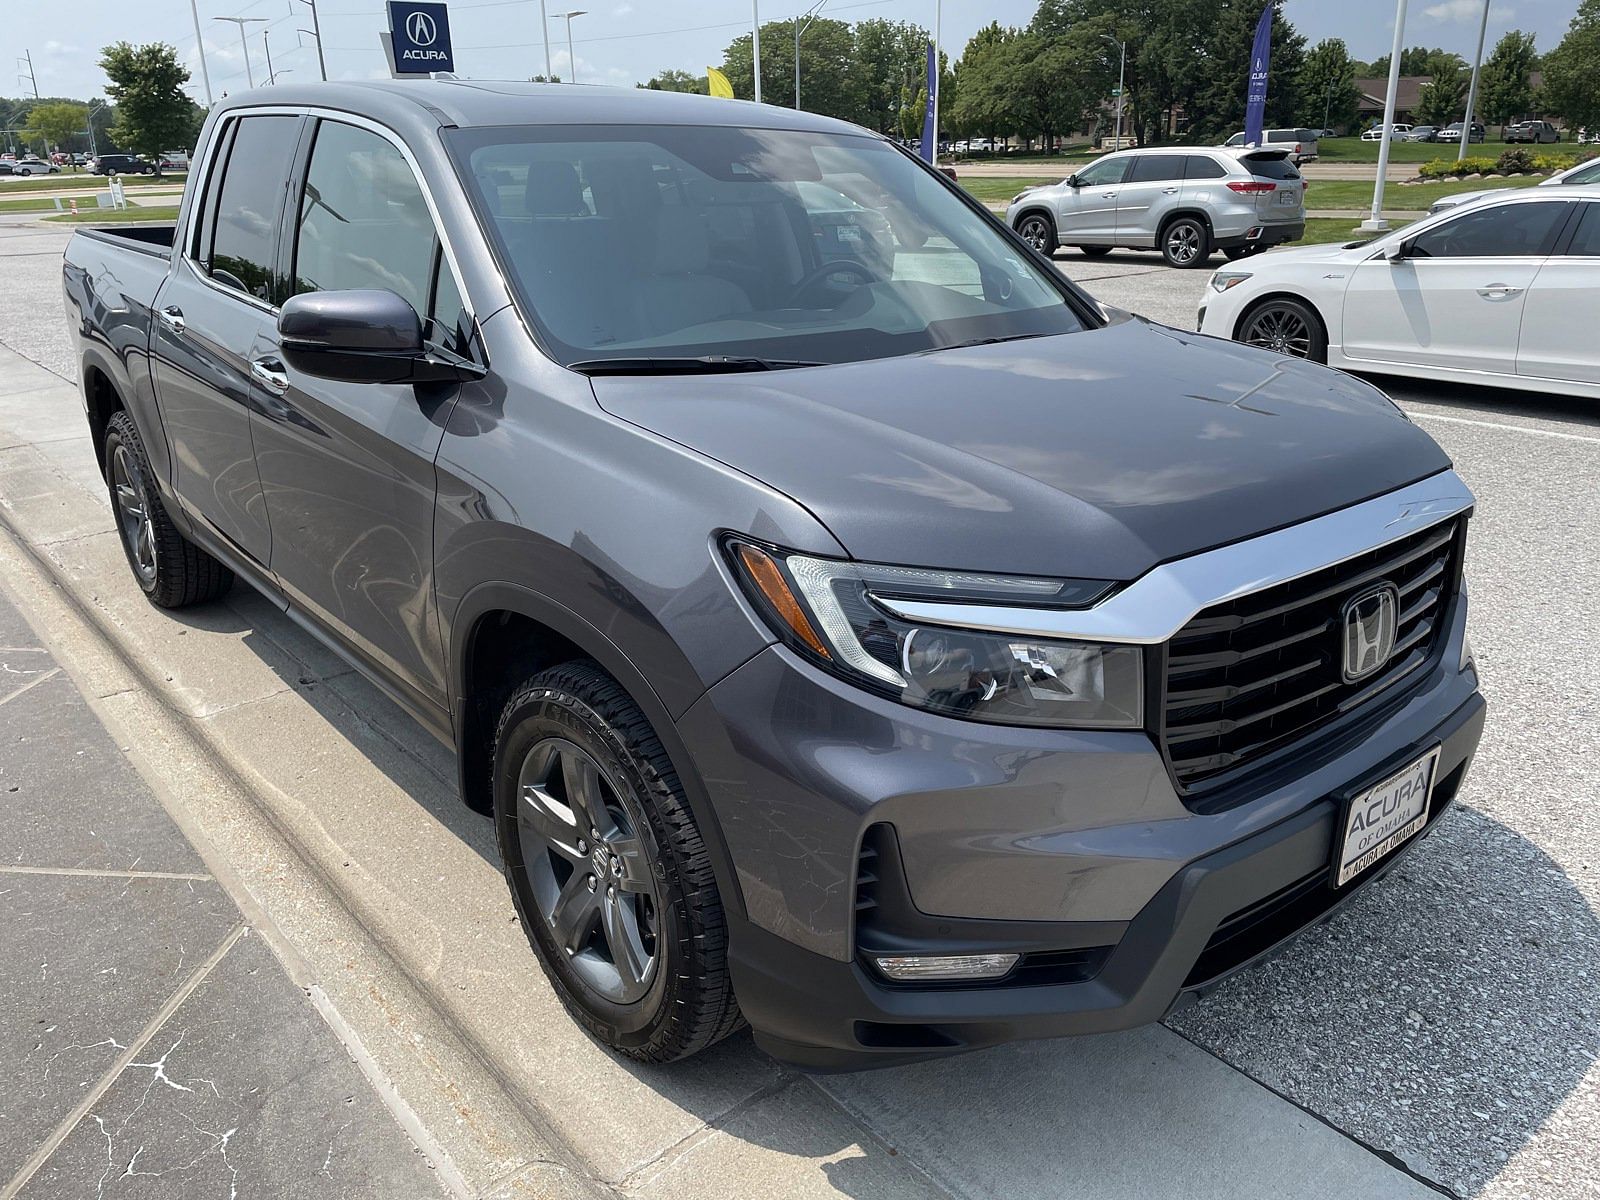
1185 202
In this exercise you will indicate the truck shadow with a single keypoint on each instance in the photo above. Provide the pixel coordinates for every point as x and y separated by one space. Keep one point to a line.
1441 1018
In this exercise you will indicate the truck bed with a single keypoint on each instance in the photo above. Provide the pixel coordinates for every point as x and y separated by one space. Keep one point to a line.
147 239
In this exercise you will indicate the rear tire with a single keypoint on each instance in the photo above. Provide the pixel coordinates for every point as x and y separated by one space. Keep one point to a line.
1185 243
609 874
170 569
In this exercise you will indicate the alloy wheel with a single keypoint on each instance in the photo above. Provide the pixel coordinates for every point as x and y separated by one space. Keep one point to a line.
133 513
1279 329
1036 232
587 868
1183 242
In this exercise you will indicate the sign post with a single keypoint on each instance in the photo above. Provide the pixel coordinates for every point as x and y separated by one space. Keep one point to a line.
419 37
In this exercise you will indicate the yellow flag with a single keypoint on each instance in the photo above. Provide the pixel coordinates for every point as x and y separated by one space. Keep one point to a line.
719 83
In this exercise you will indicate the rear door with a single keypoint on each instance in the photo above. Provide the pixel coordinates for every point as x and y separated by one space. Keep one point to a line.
1151 190
213 307
1562 313
1088 213
347 468
1456 300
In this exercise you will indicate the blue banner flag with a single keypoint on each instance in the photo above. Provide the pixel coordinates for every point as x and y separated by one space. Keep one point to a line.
1255 105
930 135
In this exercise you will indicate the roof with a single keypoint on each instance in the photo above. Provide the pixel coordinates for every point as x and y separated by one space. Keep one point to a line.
472 102
1407 95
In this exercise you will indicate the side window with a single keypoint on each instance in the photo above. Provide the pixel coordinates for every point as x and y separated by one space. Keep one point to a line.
1236 140
1200 166
1156 168
446 325
1586 238
206 206
249 203
1589 173
363 220
1107 170
1501 231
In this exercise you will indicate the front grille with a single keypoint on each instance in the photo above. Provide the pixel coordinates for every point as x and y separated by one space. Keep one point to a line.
1248 676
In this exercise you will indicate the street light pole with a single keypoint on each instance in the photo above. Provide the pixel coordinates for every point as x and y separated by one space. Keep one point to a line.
1122 68
1375 223
938 80
271 76
755 43
205 74
316 32
544 23
244 43
1472 89
572 59
808 16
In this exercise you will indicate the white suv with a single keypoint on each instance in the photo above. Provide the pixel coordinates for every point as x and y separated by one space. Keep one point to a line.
1184 201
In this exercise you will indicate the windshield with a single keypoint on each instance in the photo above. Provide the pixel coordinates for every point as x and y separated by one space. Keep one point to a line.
707 242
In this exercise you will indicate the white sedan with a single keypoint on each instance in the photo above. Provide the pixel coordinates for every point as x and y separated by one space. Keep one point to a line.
1505 292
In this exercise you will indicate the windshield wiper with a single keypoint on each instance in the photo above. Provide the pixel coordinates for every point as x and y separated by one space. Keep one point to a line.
701 364
987 341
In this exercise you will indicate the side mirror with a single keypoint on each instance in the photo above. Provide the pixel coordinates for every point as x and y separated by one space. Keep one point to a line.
363 337
1397 251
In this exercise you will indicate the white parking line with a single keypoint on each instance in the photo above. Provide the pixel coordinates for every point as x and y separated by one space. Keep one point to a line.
1550 433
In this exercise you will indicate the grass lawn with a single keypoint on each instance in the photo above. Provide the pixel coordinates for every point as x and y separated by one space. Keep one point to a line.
1353 149
1322 230
67 180
999 189
114 216
1357 193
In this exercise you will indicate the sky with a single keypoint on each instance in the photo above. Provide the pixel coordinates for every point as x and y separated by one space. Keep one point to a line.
617 41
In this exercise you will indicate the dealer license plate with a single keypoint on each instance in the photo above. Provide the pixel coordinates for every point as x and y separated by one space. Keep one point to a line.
1378 820
1288 199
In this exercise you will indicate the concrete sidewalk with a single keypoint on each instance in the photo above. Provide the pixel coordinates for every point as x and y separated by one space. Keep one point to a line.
336 819
146 1030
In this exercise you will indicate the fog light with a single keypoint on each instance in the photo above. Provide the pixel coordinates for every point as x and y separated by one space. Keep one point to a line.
913 968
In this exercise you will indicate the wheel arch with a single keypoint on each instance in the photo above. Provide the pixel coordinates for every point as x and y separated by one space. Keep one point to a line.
101 400
503 633
1038 210
1199 214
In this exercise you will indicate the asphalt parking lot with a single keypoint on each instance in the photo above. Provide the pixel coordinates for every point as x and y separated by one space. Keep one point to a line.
1442 1034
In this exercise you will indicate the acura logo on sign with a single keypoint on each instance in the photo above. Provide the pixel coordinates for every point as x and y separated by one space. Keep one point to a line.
1370 621
420 29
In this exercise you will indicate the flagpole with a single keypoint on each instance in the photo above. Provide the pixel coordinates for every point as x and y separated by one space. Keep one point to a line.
1375 223
1472 91
933 99
755 42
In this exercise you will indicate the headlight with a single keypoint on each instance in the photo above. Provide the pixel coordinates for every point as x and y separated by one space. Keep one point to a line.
1221 281
829 611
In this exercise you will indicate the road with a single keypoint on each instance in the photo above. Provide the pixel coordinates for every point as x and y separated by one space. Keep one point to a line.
1441 1034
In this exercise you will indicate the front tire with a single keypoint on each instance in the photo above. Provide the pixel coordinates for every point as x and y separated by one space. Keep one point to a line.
1039 231
1285 326
170 569
609 874
1185 243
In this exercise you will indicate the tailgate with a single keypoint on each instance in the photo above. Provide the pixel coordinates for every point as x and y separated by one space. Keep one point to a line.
1285 200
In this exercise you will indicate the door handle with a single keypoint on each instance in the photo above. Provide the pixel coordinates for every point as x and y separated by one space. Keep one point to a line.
1498 291
1109 195
171 317
1169 191
269 372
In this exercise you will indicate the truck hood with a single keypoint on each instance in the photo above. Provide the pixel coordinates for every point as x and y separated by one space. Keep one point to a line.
1096 454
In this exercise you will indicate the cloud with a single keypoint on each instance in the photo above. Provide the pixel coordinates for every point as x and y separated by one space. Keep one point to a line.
1463 10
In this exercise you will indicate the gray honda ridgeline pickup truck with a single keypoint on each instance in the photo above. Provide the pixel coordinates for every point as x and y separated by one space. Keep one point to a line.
851 627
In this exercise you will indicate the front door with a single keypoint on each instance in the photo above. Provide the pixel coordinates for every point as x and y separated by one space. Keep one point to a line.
208 315
1456 299
347 468
1088 213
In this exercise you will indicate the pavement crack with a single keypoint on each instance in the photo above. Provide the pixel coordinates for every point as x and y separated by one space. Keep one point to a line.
107 873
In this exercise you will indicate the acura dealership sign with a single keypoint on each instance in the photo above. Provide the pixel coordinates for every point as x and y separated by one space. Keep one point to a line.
419 32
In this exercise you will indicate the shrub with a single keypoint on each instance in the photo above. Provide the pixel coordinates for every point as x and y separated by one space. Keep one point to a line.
1553 162
1440 168
1516 161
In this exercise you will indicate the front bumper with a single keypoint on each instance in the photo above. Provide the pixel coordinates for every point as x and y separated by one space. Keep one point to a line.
1071 848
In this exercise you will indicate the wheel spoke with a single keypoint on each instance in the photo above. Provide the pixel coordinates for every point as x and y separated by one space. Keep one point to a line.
576 910
621 928
635 875
584 795
538 813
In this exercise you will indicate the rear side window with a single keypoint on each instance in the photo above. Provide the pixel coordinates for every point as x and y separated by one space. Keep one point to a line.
1155 168
1267 166
250 203
1283 135
1587 174
1586 238
1501 231
1200 166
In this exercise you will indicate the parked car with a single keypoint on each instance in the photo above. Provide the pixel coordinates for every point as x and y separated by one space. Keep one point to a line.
1375 134
34 166
1498 292
174 160
79 159
1420 133
1300 143
1583 173
1533 132
1185 202
1452 133
119 164
805 629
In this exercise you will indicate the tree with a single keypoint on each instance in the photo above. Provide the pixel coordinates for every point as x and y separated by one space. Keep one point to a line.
1505 87
674 80
1222 85
1569 82
153 112
891 56
1443 98
913 110
829 82
56 122
1328 93
1413 61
